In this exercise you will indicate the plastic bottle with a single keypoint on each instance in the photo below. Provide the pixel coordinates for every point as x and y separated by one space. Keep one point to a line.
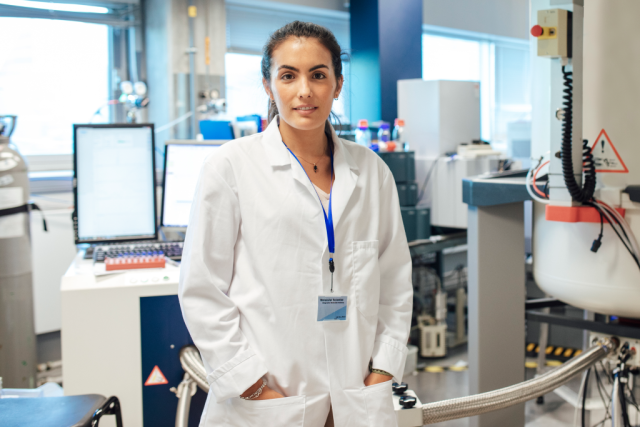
384 133
363 134
398 135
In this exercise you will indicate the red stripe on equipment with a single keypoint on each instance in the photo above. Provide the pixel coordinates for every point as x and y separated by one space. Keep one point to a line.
574 213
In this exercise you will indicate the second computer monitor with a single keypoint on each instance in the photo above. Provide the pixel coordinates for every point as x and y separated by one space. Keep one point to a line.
182 164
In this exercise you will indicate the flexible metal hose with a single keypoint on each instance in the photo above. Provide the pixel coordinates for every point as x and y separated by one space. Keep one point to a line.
185 392
192 365
462 407
505 397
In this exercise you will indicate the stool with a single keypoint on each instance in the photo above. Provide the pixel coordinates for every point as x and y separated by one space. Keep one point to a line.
73 411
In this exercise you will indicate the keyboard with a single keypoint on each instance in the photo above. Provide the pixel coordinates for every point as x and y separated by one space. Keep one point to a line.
172 250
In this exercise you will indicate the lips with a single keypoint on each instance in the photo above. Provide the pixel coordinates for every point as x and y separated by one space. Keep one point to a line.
305 108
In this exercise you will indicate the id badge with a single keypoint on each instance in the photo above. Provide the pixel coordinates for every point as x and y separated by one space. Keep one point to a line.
332 308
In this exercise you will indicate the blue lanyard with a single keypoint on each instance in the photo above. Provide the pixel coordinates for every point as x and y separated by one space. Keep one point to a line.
328 219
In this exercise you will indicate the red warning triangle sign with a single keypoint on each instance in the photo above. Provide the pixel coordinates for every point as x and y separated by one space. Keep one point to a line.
156 377
605 155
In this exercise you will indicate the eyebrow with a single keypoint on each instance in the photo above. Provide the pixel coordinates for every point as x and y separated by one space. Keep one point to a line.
289 67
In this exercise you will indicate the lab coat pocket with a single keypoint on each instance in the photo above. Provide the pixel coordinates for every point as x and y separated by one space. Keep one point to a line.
282 412
380 405
366 277
374 405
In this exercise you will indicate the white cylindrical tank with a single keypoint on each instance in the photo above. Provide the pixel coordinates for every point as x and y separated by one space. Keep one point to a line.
608 281
17 332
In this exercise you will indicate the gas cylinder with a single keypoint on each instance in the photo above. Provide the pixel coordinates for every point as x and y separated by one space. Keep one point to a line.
17 331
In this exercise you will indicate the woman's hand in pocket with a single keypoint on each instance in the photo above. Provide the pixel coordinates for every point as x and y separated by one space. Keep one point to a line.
374 378
268 393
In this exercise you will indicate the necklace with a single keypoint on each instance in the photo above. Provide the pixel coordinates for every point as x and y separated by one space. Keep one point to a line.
315 168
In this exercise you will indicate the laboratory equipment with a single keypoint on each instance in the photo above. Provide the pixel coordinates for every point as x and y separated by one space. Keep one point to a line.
399 136
171 250
445 182
401 164
363 134
384 136
407 193
417 222
587 216
134 261
17 331
216 129
442 122
439 115
134 97
182 164
114 183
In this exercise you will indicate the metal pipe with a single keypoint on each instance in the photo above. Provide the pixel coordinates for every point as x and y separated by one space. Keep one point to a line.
469 406
185 392
192 67
616 404
192 365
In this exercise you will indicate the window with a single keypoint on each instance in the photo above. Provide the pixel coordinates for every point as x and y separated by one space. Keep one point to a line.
245 94
53 73
500 65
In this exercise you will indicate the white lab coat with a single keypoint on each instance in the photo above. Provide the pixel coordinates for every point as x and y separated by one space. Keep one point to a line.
254 263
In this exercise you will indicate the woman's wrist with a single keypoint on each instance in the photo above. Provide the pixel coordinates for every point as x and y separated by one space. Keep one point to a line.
260 384
378 371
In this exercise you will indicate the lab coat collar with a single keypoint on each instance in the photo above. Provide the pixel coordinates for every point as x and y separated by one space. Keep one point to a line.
345 167
279 156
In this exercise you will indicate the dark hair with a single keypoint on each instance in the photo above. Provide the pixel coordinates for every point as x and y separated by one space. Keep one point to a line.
300 29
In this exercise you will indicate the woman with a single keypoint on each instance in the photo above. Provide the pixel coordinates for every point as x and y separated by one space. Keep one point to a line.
296 272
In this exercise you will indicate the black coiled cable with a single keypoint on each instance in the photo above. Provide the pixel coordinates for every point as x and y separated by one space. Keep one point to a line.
585 193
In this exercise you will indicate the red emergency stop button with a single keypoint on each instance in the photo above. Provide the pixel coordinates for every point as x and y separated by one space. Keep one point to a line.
537 31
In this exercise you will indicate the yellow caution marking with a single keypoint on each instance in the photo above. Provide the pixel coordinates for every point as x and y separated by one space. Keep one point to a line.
531 365
549 349
554 363
567 352
434 369
558 351
530 347
577 353
537 349
458 368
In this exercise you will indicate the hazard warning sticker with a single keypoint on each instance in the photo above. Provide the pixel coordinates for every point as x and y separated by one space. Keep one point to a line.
156 377
605 156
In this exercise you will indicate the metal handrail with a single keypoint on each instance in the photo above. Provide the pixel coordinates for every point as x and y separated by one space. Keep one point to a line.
444 410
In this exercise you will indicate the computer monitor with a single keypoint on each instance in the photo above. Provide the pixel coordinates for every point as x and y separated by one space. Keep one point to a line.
114 183
182 164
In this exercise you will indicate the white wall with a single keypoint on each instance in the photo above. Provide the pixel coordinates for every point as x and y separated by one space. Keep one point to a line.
507 18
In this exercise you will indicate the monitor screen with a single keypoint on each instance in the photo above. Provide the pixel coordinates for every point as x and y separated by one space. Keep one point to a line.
114 182
181 171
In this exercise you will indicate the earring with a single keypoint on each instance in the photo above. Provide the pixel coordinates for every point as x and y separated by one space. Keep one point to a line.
335 99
